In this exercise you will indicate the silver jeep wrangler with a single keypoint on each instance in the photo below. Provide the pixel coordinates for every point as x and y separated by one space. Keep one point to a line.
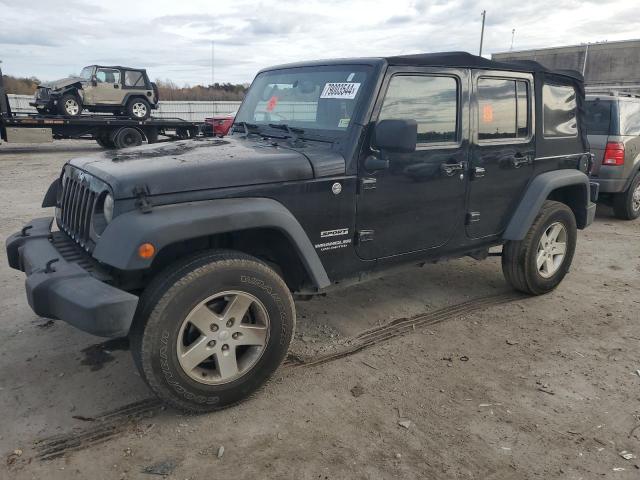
117 90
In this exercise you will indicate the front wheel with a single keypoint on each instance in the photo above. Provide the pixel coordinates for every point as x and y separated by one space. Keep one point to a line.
538 263
69 105
626 205
211 330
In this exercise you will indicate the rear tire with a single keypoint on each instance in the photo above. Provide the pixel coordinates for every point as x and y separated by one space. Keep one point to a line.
70 105
538 263
138 109
626 205
211 330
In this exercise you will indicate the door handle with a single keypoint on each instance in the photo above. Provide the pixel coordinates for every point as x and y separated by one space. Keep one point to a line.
450 169
520 161
115 85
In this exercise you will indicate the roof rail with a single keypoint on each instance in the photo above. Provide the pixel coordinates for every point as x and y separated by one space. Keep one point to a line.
612 93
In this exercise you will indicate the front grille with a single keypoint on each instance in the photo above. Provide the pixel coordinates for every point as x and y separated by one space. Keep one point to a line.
77 203
43 93
73 253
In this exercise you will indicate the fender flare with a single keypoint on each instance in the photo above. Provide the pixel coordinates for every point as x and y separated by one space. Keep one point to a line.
168 224
536 194
131 96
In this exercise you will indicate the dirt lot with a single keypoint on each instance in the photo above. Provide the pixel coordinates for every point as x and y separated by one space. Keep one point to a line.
493 385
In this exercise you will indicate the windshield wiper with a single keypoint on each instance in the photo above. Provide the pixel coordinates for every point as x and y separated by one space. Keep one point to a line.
247 127
294 132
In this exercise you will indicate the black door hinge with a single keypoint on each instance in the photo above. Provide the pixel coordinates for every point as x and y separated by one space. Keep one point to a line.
141 192
473 217
365 236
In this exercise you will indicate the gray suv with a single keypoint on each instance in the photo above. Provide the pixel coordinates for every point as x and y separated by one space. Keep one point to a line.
613 126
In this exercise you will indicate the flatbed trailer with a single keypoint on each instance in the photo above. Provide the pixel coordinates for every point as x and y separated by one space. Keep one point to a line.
108 130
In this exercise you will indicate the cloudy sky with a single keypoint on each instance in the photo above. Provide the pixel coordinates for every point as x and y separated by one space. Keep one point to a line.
50 39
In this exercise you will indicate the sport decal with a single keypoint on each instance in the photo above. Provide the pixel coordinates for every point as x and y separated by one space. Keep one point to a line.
334 233
340 90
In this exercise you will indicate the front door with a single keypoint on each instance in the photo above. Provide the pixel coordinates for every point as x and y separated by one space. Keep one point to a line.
107 89
502 150
418 201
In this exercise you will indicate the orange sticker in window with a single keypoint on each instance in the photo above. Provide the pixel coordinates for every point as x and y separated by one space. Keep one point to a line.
487 114
271 104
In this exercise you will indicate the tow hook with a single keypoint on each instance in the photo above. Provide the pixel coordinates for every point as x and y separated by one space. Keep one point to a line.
23 232
47 268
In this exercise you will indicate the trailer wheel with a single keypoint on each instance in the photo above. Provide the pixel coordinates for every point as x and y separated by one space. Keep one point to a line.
70 105
105 142
127 137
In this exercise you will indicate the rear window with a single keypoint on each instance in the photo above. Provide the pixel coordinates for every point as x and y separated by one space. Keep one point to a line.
629 117
133 78
598 118
559 111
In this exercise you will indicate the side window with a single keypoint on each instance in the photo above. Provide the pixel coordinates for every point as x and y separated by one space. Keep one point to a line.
629 117
431 101
503 109
108 75
559 111
133 79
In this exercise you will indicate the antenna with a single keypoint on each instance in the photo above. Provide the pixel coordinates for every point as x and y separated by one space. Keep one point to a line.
513 34
484 14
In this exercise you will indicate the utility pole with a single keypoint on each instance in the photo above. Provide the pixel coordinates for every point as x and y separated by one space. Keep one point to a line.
213 88
484 14
586 54
513 34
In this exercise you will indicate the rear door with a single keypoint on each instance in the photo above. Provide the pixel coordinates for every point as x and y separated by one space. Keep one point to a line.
502 150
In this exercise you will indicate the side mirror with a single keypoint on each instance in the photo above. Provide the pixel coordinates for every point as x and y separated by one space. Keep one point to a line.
396 135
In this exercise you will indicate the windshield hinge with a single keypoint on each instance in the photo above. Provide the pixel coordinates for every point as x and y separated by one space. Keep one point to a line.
141 192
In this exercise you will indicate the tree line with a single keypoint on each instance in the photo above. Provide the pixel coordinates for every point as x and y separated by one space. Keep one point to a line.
168 90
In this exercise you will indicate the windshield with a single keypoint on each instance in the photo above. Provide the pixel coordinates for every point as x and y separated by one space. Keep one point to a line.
85 74
313 99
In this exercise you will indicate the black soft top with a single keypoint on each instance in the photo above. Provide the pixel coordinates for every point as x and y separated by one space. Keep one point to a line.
467 60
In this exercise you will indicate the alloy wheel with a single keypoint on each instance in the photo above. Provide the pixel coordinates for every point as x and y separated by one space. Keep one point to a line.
635 199
139 110
552 249
71 106
223 337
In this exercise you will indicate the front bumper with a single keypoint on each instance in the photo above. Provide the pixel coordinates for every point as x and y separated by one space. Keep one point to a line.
63 290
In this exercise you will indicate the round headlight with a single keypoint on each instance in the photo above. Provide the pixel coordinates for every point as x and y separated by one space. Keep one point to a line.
107 208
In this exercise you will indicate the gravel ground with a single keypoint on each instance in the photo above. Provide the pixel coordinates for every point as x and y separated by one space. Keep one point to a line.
502 387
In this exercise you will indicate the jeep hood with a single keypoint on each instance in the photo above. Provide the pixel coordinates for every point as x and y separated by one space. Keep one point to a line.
58 84
192 165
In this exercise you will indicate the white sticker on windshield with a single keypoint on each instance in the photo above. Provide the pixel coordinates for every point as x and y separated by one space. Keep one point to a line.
350 77
340 90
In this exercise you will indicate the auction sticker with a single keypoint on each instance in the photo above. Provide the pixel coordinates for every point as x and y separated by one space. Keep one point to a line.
340 90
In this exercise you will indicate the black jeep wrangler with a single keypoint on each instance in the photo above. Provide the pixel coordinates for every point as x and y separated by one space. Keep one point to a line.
334 170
